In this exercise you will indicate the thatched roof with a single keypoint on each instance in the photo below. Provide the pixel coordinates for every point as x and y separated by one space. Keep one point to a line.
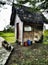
26 16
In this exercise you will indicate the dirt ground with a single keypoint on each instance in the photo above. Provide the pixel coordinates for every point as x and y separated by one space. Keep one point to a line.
37 54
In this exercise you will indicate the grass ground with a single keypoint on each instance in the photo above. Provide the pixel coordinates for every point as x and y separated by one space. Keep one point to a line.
37 54
45 38
8 36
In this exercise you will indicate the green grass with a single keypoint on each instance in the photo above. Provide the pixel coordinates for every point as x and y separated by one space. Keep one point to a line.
45 39
8 36
46 33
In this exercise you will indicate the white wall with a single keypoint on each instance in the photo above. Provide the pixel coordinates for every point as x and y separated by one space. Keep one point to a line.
17 20
21 31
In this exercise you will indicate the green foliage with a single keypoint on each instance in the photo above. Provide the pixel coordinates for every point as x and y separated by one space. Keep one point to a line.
10 29
22 1
44 5
33 3
46 33
45 39
29 8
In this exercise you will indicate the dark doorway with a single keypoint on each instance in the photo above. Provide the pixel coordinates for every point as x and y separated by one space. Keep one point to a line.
17 31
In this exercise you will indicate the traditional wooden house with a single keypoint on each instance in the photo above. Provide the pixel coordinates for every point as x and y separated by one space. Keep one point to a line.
28 26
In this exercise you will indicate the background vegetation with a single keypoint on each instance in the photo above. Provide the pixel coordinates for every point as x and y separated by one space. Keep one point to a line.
10 36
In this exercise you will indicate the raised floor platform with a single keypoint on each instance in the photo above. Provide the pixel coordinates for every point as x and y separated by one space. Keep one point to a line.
4 54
